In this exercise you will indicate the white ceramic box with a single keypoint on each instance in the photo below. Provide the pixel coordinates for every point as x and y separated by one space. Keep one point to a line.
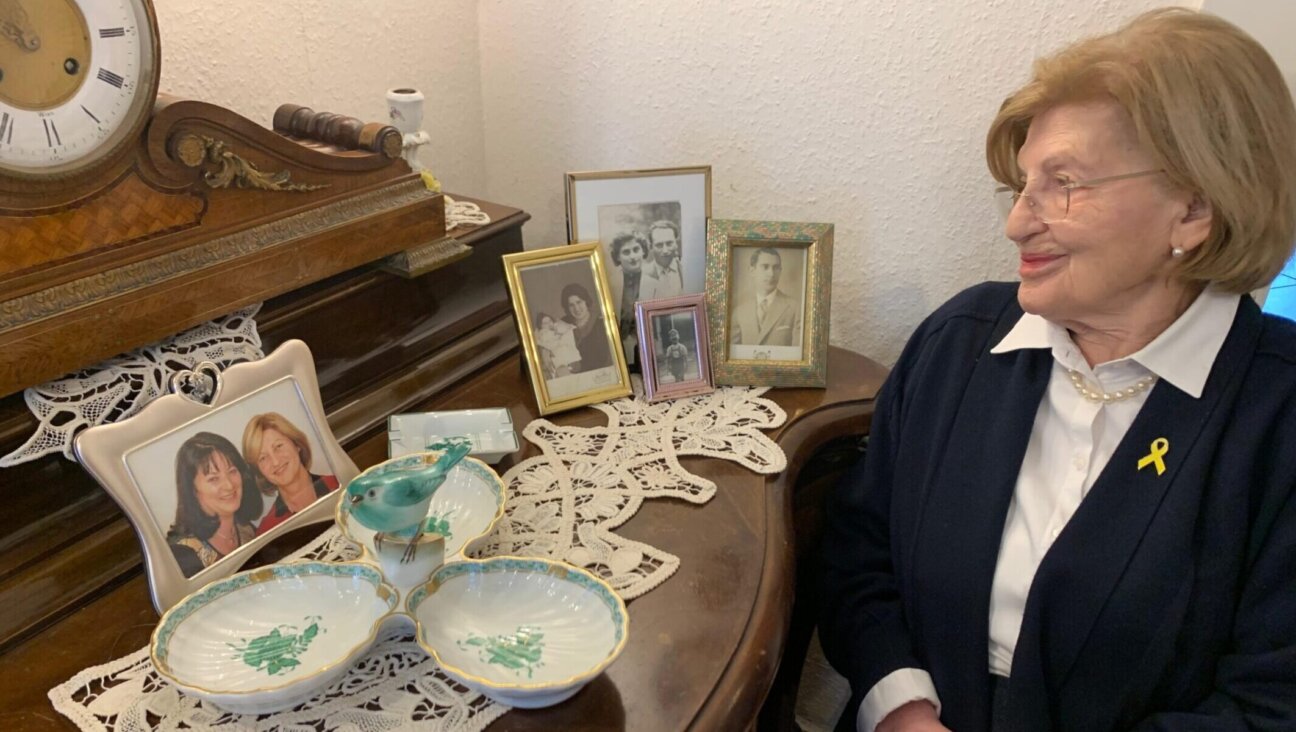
491 432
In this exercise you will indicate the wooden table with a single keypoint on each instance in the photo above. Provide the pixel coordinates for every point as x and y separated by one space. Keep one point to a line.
704 646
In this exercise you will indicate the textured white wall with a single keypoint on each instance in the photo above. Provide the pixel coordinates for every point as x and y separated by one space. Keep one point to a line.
1270 21
870 114
253 55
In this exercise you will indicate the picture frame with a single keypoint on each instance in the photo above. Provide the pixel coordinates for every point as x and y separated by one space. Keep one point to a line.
780 337
179 468
674 348
568 329
664 210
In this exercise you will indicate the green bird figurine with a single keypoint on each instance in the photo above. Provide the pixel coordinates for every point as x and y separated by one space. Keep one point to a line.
395 502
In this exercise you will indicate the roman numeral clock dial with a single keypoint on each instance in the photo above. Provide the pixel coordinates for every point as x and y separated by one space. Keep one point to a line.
77 82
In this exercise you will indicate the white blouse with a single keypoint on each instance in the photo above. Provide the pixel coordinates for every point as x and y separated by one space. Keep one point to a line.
1070 444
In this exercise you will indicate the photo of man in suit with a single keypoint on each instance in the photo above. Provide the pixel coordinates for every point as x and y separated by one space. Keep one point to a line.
764 314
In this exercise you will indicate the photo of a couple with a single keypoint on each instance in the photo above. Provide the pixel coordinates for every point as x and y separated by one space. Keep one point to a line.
642 241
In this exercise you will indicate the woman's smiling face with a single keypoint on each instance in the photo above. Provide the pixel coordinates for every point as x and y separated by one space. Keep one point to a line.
278 460
1110 252
218 486
578 309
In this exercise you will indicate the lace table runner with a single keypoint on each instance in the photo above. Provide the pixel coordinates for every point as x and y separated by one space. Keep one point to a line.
564 503
113 390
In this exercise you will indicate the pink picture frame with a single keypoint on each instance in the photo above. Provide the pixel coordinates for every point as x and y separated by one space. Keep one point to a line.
674 347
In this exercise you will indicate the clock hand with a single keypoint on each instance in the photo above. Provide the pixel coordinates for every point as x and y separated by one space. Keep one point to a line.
15 25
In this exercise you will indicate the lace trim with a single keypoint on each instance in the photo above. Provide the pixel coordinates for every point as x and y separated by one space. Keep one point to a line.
464 213
119 387
565 503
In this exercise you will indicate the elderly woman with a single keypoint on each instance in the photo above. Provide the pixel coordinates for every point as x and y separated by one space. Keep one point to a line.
1077 508
282 457
215 502
591 338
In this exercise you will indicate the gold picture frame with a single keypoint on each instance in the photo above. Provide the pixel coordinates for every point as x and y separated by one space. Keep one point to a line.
559 295
209 422
769 291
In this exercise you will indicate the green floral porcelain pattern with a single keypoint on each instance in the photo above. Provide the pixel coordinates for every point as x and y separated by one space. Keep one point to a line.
539 566
439 523
277 650
196 601
519 650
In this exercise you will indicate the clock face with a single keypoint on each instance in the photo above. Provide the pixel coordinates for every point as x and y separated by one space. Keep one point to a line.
76 76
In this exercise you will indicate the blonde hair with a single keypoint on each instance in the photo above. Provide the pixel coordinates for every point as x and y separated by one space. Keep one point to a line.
254 433
1211 107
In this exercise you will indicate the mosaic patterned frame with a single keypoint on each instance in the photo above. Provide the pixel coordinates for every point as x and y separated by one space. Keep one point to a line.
723 236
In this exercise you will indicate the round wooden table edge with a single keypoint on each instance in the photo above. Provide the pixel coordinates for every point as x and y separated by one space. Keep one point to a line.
736 700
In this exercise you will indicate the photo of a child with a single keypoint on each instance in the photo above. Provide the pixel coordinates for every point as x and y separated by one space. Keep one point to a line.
676 355
557 341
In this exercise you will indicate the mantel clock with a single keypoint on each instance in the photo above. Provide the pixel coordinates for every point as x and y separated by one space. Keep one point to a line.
78 79
128 215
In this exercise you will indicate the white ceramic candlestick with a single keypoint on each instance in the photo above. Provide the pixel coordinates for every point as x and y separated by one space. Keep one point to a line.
405 109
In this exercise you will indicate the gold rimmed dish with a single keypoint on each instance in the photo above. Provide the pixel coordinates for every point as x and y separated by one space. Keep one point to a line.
526 632
271 638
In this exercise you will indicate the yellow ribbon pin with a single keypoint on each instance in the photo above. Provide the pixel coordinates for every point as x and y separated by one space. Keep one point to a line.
1160 446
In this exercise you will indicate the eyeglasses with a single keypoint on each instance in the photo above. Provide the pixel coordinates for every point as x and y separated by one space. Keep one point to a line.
1050 202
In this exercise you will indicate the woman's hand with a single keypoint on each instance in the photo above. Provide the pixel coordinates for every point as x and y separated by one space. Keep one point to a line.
916 716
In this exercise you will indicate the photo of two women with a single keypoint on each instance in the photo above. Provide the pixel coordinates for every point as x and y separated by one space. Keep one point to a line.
227 495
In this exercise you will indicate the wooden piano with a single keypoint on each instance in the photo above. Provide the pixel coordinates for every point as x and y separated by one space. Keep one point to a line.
347 249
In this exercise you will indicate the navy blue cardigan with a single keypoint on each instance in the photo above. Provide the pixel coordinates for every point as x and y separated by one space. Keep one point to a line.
1167 603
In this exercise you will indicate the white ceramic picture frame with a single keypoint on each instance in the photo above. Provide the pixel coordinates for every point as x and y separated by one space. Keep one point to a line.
273 406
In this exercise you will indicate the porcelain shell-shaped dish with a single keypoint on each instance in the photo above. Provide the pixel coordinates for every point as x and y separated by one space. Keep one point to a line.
268 639
525 632
465 507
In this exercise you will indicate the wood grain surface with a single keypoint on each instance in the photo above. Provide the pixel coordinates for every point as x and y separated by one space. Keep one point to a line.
704 646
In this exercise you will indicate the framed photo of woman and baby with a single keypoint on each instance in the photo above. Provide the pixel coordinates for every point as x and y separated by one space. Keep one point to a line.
206 485
568 329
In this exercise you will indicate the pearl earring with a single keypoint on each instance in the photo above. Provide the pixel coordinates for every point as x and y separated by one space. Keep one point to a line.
1176 252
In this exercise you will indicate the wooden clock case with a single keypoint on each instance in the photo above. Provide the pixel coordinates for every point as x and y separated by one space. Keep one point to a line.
207 212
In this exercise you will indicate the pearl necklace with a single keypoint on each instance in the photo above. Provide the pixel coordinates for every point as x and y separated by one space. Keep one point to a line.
1097 395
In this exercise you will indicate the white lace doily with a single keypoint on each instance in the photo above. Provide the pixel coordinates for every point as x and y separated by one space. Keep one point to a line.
464 213
119 387
564 503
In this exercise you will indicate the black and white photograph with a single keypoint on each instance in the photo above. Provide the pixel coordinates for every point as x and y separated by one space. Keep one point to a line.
667 207
572 340
767 309
675 348
642 244
219 482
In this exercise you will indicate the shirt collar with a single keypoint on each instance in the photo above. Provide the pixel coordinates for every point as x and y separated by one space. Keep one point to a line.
1183 354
